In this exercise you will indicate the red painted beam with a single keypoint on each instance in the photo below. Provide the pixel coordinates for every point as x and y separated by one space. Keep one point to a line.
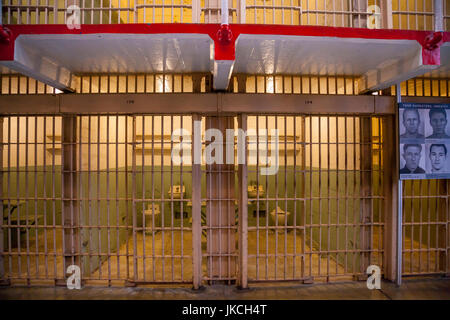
226 50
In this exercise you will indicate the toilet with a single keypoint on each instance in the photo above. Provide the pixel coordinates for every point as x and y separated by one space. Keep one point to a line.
151 209
281 216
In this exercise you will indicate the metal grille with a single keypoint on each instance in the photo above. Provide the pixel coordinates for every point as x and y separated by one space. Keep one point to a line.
211 11
413 14
98 11
426 207
424 87
32 207
299 84
100 192
321 216
335 13
18 84
406 14
220 206
137 83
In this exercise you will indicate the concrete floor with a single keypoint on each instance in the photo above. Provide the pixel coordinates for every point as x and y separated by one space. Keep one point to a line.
415 289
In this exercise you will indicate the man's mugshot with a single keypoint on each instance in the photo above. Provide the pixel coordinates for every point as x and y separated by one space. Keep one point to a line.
412 154
411 122
438 121
438 157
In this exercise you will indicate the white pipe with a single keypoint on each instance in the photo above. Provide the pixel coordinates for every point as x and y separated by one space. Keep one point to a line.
224 12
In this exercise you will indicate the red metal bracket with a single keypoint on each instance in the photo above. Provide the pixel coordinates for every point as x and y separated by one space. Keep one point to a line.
224 43
224 35
5 35
431 52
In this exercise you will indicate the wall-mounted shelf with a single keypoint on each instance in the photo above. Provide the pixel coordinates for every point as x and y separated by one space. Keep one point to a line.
54 144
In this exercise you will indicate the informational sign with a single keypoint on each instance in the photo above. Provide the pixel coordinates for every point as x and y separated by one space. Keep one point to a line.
424 141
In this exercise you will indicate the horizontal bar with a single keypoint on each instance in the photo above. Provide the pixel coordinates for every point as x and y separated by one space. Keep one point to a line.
188 103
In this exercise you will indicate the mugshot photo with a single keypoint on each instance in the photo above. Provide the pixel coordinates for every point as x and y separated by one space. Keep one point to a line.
412 158
437 158
436 123
412 123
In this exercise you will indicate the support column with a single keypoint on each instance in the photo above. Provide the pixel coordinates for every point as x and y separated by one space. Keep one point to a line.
243 204
386 14
2 260
70 194
439 15
366 209
220 210
196 204
390 187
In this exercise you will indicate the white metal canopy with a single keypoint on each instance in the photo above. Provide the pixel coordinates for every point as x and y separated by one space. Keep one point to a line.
55 58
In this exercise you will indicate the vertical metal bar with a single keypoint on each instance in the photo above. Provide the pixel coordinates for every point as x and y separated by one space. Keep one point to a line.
133 197
79 195
243 206
44 149
153 198
9 198
2 260
127 197
108 202
19 255
267 198
294 224
196 204
70 223
90 222
276 204
400 201
182 198
27 233
99 231
328 194
118 221
144 222
54 199
311 202
366 191
36 222
171 201
257 198
320 193
162 196
285 194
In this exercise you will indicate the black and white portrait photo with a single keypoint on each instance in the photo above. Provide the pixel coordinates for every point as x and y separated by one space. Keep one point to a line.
412 160
436 126
411 123
437 160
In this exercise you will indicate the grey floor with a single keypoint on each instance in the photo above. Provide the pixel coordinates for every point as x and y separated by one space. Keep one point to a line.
416 289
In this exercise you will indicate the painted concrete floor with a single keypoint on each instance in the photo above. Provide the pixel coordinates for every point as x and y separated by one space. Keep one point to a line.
415 289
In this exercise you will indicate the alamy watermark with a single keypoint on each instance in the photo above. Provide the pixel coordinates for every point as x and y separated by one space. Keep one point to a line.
374 279
214 153
374 19
73 17
74 281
